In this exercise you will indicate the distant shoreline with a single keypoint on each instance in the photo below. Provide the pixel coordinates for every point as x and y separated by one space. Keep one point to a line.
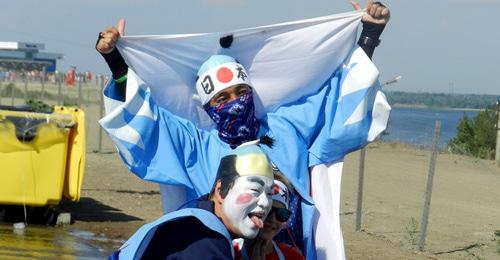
400 144
421 106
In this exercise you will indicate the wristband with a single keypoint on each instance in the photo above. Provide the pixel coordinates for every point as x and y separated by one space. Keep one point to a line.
121 79
367 41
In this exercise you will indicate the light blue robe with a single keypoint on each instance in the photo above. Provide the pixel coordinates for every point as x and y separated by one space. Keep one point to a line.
135 246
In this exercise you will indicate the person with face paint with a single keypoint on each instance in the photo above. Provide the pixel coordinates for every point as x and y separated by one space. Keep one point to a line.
171 150
236 207
263 246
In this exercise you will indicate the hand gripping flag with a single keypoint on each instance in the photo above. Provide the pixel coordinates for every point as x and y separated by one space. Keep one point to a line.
289 63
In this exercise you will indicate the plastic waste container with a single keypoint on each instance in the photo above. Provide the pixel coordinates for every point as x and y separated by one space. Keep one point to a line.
42 155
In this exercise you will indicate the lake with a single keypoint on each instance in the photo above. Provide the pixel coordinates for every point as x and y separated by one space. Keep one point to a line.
416 126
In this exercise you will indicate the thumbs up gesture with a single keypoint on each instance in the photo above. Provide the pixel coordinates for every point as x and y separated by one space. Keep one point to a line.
108 38
376 12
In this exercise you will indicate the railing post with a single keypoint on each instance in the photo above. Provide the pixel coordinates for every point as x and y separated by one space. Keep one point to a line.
12 90
25 81
360 188
497 150
79 90
430 179
101 112
42 81
59 87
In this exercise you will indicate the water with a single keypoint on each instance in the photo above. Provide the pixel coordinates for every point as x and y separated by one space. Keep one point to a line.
416 126
43 242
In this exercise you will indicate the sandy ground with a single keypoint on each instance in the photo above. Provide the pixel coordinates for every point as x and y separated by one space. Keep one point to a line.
465 206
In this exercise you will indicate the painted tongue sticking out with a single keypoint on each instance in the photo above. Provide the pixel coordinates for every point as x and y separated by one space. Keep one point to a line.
257 221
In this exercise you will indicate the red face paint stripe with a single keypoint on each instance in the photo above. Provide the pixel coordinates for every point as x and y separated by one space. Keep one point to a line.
244 198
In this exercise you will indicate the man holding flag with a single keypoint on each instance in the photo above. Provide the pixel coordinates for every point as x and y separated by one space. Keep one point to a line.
334 106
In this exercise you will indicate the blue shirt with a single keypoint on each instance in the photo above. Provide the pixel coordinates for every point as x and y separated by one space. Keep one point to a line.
159 146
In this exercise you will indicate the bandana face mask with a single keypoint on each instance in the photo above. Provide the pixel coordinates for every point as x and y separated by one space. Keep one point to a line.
235 120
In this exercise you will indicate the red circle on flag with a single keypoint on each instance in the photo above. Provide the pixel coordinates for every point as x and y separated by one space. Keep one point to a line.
224 75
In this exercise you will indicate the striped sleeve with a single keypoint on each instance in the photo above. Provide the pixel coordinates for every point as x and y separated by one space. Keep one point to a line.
157 145
355 111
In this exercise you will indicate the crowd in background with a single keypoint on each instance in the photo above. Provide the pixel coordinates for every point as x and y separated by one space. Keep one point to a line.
70 77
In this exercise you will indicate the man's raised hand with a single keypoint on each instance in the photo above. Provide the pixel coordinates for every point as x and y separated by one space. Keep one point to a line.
108 38
376 12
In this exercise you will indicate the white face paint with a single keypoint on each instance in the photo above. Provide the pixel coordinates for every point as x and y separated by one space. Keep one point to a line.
247 204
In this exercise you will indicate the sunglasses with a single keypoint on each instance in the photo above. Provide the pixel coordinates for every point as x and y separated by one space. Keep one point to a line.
282 214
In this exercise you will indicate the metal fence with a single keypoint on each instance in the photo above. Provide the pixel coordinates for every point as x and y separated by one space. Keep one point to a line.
84 94
427 207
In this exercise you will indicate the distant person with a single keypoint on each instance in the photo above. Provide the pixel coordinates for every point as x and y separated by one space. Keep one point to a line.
263 246
236 207
70 77
88 76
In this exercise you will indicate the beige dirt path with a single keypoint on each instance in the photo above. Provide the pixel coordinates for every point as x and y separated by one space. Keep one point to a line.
465 206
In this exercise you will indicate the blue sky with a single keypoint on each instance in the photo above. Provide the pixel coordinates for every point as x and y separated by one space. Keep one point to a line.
448 46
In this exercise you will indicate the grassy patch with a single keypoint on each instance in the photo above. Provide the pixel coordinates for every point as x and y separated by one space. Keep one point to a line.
497 238
412 232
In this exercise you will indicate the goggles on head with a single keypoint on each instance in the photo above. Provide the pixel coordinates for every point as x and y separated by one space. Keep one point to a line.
282 214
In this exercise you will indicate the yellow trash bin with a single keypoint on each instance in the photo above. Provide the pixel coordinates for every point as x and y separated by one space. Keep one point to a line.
42 156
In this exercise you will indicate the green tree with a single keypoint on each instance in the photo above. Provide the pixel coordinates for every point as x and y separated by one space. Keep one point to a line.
462 142
485 134
476 136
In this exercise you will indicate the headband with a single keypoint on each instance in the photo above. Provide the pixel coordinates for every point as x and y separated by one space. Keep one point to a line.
217 73
281 195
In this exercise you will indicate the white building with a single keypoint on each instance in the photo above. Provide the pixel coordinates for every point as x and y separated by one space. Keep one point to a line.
27 56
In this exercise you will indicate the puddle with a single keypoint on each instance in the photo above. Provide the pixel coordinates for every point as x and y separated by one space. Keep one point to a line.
46 242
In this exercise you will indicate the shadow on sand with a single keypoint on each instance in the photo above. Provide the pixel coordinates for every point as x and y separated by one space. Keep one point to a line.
91 210
86 210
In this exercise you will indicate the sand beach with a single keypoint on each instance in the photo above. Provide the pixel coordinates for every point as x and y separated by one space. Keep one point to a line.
464 212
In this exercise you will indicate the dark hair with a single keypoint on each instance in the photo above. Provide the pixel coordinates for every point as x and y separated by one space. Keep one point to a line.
266 140
279 176
226 41
226 174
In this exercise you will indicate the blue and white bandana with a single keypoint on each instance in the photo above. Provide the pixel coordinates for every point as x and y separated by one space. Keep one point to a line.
235 120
